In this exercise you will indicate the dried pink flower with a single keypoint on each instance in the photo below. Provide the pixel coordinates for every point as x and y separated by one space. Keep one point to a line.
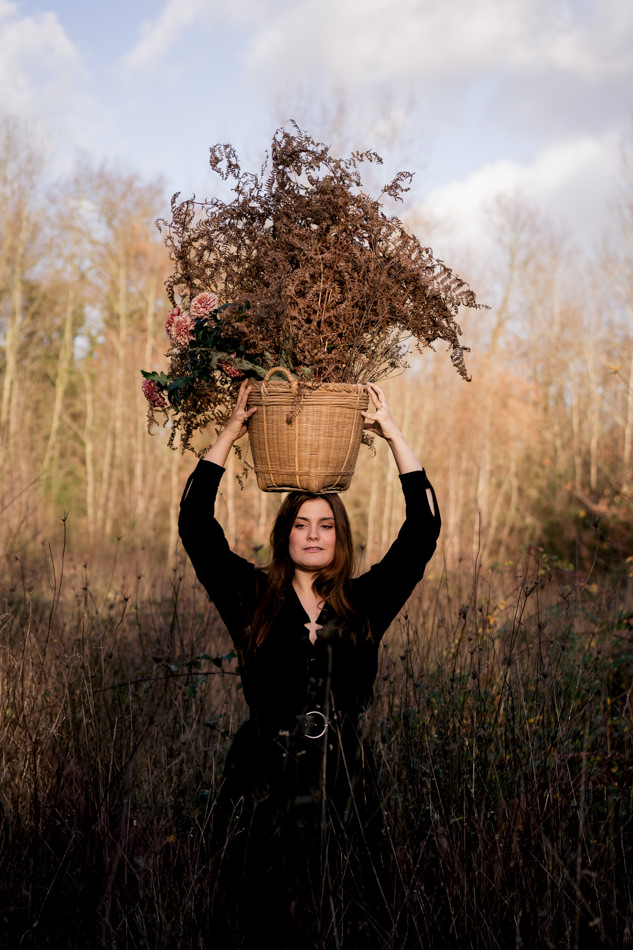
153 394
182 330
171 318
230 369
203 304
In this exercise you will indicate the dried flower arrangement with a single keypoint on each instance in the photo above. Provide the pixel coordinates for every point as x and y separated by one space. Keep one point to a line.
313 274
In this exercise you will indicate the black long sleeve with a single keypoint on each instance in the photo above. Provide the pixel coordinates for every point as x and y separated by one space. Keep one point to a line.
387 586
231 581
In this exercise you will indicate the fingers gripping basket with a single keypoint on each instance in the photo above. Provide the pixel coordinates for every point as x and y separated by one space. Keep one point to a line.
305 439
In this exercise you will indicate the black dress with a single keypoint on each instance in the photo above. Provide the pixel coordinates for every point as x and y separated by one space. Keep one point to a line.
298 816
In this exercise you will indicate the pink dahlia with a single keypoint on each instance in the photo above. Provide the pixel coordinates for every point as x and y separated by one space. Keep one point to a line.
171 318
153 394
230 369
203 304
182 330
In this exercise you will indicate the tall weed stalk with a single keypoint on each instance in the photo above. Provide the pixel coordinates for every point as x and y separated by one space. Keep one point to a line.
501 732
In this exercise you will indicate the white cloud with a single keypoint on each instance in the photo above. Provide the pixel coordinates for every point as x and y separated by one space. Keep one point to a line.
527 73
570 182
543 69
444 43
598 44
38 63
179 18
388 40
157 36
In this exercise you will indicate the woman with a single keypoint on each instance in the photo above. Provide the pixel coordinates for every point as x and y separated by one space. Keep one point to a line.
298 815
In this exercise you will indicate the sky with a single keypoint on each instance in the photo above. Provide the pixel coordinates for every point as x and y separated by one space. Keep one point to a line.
528 98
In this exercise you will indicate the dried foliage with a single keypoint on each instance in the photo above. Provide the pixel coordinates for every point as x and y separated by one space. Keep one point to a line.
323 281
502 743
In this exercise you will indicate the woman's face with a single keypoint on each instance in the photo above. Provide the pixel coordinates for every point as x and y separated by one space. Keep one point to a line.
313 536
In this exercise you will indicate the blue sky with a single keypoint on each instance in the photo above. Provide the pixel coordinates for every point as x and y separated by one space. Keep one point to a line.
527 97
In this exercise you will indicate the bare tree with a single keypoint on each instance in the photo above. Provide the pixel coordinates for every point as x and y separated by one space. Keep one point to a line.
22 226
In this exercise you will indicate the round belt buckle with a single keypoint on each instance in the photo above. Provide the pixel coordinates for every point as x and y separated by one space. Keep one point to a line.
313 724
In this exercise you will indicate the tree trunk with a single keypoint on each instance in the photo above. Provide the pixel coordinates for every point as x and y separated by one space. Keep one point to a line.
64 360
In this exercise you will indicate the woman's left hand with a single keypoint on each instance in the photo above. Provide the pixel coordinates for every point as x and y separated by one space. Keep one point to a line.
382 422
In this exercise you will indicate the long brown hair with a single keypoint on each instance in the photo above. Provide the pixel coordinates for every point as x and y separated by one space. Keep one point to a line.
330 582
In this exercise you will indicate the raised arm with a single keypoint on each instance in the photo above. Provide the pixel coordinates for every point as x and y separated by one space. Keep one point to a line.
382 424
386 587
234 429
230 580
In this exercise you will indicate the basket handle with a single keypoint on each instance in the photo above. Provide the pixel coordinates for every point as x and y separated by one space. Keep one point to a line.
292 382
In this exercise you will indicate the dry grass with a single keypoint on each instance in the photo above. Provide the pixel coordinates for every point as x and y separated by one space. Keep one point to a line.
501 731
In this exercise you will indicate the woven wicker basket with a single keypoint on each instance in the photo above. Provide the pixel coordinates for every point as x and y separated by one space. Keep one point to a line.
308 439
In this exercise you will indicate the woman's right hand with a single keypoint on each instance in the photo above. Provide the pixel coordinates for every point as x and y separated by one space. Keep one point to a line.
234 429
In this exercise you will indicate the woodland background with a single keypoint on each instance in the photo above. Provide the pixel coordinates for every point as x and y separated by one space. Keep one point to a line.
502 722
536 450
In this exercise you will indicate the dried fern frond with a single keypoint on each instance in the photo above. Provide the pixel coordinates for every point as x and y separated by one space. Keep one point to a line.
333 283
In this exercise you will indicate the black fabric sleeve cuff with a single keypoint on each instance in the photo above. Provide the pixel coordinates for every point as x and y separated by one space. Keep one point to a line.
415 479
204 480
206 467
